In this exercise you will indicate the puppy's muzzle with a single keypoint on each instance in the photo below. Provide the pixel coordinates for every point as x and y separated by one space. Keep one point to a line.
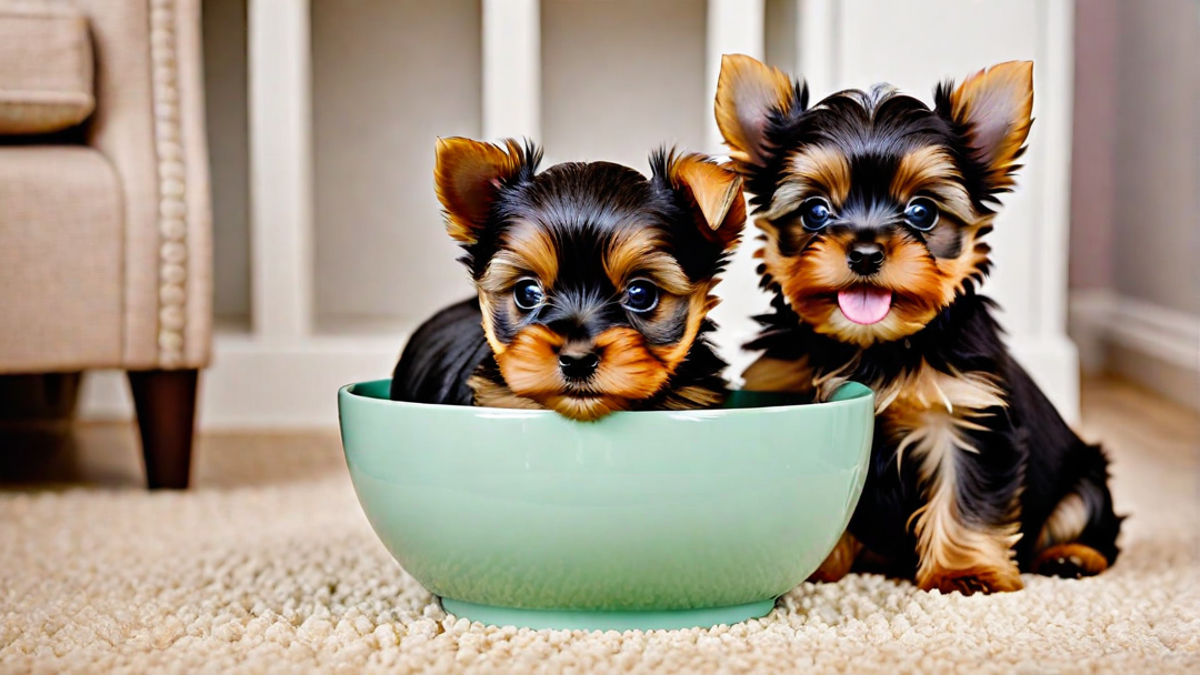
865 258
578 364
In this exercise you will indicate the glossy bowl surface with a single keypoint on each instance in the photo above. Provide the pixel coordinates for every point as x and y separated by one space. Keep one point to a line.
642 520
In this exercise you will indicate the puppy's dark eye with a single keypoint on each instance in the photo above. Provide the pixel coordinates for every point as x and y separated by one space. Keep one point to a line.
528 294
640 296
921 214
815 214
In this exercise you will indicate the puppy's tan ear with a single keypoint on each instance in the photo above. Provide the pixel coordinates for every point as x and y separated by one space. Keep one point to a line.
468 176
748 94
993 110
714 195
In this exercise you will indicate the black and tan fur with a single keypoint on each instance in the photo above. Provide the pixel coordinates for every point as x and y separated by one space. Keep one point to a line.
974 476
585 234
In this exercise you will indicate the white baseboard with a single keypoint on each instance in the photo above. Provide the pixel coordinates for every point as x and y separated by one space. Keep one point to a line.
1112 331
1088 320
254 385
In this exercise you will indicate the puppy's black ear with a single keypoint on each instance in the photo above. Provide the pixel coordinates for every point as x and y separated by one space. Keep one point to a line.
712 193
469 175
750 95
992 110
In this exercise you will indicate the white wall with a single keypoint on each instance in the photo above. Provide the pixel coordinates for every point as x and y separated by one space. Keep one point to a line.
225 85
1157 205
620 78
388 78
1093 171
1136 214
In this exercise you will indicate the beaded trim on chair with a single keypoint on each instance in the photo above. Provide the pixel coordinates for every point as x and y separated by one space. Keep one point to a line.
172 185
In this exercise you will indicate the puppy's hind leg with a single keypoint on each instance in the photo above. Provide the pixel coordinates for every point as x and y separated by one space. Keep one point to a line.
1079 539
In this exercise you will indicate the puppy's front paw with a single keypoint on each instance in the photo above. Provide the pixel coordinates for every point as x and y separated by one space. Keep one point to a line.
829 572
972 580
839 561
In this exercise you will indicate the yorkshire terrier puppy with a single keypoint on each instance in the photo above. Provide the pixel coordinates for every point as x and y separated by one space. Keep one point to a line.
873 208
593 283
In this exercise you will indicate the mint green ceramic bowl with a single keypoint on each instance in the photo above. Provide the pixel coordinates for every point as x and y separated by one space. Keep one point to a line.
642 520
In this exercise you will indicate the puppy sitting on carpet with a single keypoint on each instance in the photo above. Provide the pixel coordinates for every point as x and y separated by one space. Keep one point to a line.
593 282
874 208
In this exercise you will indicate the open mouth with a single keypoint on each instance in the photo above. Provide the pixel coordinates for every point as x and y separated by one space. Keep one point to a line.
865 305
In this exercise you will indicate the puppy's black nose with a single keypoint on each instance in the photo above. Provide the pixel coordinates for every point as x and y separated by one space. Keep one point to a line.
865 258
578 366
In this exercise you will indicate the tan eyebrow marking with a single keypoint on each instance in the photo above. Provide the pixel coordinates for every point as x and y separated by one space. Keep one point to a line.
919 168
528 249
637 251
816 171
931 169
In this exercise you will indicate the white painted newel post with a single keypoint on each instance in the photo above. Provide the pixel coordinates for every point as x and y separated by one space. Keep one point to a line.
734 27
816 32
281 222
1059 362
512 69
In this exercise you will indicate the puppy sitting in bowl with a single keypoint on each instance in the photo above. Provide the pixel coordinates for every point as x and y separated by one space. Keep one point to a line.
593 283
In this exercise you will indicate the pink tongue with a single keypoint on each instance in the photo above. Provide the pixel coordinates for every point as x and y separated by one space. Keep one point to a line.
866 305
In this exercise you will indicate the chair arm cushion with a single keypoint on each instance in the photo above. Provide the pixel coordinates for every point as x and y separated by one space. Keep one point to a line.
46 70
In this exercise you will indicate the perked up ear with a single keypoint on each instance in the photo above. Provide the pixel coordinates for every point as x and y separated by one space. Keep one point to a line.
468 176
749 93
993 109
712 192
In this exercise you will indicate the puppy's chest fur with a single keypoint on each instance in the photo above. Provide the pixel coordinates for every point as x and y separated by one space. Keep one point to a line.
927 409
924 413
939 396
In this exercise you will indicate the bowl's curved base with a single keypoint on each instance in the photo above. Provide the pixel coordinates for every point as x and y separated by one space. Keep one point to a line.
581 620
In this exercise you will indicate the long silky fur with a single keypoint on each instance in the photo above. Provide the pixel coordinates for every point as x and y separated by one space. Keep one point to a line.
1025 450
1015 460
584 216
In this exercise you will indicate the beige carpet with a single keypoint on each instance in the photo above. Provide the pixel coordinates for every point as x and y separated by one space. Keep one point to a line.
269 566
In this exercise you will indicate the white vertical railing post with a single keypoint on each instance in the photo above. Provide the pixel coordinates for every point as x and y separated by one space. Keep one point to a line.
1047 249
734 27
512 69
1058 70
281 215
816 37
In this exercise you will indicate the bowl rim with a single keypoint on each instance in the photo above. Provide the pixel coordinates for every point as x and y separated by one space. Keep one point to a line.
849 394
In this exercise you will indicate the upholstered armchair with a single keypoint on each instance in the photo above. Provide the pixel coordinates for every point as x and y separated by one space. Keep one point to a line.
105 225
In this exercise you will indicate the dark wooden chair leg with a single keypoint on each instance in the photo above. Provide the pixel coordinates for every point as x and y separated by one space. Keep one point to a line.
166 412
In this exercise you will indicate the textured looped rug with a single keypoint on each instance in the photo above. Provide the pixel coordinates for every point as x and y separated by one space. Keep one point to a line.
268 565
